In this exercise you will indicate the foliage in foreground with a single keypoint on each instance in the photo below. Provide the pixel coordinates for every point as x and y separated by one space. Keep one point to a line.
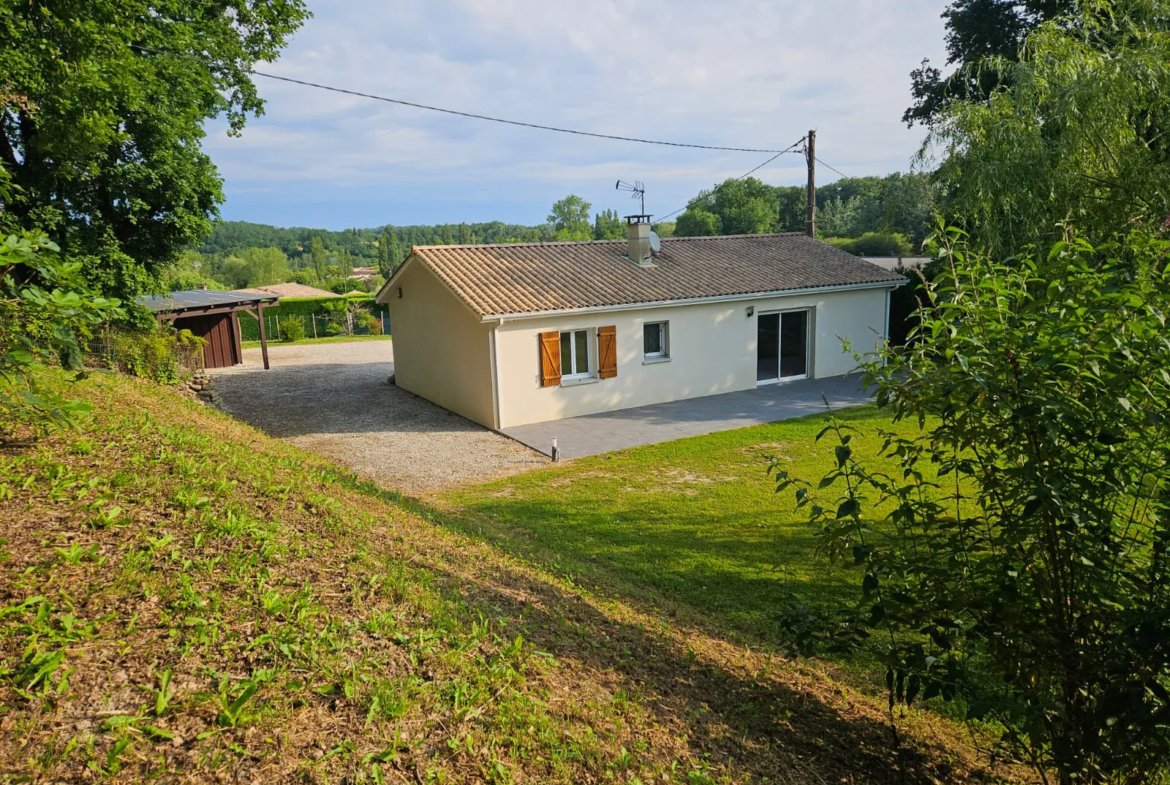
1027 546
47 311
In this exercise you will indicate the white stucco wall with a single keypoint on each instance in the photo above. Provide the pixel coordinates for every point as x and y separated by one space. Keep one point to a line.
442 351
712 350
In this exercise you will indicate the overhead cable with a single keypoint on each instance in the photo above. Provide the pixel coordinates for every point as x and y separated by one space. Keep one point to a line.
472 115
725 183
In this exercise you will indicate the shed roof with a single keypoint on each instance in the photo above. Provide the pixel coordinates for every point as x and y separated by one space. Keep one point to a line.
201 299
532 278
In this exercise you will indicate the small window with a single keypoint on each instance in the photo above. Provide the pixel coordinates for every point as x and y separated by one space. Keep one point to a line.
575 354
654 341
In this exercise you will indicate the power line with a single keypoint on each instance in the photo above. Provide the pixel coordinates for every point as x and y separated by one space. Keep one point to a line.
471 115
728 182
838 171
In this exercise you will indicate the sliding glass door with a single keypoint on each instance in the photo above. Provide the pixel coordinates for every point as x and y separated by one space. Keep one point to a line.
782 346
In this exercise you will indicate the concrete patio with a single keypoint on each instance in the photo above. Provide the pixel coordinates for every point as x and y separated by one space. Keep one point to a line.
593 434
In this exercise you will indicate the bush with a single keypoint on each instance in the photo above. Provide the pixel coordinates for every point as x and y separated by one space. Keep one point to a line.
1022 567
160 354
47 313
292 329
368 322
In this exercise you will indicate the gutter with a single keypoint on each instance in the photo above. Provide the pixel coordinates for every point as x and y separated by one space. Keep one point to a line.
512 317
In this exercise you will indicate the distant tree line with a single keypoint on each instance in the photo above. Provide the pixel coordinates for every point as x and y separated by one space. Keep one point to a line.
888 215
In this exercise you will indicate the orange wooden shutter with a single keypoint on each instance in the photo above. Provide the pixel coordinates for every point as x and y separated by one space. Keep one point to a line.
607 352
550 359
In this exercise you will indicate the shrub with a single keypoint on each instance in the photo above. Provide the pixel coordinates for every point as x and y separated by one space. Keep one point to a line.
1023 564
47 313
368 322
292 329
159 354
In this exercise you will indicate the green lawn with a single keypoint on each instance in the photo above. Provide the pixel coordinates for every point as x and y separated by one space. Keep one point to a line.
696 519
330 339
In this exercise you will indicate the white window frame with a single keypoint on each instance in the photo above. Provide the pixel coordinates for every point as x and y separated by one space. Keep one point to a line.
589 351
663 339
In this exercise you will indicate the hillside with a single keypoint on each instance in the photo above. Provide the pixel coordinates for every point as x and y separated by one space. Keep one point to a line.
181 596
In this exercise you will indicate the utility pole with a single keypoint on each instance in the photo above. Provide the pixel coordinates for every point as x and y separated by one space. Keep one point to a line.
810 150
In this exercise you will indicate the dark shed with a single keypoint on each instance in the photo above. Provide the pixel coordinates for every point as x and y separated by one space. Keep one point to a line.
214 317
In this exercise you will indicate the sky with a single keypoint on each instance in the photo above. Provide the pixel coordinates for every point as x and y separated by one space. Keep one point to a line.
734 73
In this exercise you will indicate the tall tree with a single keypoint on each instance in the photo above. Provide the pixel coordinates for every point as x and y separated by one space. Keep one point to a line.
317 254
570 218
977 29
608 226
1080 134
102 115
344 264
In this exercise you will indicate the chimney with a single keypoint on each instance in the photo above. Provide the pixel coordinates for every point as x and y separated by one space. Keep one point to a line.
638 245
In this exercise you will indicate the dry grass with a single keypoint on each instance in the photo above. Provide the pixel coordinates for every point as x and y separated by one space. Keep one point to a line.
185 599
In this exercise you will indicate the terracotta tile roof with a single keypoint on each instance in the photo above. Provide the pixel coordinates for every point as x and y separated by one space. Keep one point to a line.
539 277
289 290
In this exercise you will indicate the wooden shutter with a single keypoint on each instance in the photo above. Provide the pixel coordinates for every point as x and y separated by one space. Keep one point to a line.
607 352
550 359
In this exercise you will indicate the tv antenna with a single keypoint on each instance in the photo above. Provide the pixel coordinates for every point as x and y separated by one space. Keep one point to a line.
637 190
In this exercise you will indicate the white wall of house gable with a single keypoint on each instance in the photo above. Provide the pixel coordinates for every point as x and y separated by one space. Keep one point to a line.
441 349
712 350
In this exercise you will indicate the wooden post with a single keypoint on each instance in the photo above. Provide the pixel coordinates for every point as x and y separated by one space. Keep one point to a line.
383 315
811 152
811 155
313 316
263 336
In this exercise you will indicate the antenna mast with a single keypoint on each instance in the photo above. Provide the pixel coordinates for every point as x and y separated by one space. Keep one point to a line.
637 190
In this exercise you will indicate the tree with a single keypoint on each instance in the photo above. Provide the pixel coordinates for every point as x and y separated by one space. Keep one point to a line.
570 218
841 218
608 226
977 29
697 222
1018 558
344 264
1079 134
102 118
317 254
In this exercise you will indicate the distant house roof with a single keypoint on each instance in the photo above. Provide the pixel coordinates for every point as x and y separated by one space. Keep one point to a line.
534 278
288 290
894 262
201 300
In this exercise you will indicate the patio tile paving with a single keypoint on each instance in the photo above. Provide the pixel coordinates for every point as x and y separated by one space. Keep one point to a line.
593 434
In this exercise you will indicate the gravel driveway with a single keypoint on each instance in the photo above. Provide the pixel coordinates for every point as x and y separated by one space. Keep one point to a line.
334 400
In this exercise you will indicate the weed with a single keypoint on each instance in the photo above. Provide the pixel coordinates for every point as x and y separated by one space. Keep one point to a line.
232 706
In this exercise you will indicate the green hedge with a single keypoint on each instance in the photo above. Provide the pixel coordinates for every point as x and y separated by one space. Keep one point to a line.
312 314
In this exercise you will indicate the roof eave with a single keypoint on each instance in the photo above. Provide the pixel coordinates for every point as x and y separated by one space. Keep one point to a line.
514 317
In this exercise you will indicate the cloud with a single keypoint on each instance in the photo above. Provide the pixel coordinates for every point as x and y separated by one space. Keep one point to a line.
752 73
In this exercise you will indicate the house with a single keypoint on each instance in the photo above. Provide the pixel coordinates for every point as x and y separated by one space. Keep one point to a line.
894 262
507 335
288 291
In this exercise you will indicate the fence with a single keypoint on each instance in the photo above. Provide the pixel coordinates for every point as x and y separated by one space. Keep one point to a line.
162 356
312 325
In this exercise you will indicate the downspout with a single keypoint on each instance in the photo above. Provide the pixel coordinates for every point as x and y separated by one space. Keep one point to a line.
495 375
886 334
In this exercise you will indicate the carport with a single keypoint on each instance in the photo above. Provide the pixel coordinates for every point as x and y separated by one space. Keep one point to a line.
214 317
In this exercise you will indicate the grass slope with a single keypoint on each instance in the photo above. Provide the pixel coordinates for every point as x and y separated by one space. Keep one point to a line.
695 520
184 599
